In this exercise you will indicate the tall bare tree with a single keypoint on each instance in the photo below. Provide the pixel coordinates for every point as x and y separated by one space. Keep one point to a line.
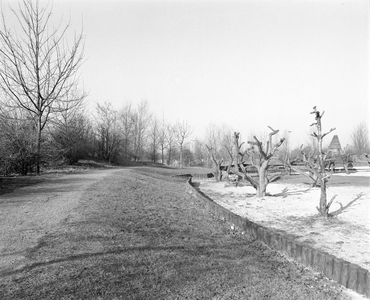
183 131
360 139
127 122
154 139
162 138
171 135
108 131
38 69
141 119
72 135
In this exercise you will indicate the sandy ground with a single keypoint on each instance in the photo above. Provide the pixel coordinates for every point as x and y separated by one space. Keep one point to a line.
292 208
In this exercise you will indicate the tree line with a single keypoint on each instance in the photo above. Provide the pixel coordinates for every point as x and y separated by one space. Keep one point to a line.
43 117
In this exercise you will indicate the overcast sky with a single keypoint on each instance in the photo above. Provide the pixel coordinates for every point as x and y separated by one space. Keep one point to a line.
248 64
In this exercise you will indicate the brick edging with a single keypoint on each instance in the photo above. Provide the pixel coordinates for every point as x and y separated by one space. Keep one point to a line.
345 273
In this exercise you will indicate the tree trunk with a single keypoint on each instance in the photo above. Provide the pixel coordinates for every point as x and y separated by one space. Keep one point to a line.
38 144
217 171
323 200
262 184
169 157
181 156
236 152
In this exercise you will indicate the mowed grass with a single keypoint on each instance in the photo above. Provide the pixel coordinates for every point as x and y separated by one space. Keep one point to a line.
139 235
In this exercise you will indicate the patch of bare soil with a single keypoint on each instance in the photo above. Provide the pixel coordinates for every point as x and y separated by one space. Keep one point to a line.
291 207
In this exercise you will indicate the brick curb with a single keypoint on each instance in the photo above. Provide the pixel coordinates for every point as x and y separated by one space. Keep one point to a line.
345 273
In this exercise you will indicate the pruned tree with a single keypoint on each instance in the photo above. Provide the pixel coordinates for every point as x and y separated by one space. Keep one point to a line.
237 152
260 158
38 69
318 167
347 160
308 157
217 162
183 131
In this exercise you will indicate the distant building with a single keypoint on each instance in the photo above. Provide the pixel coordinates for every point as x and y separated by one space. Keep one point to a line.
335 147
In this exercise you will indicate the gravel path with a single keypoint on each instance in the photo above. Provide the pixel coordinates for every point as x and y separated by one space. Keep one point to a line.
31 212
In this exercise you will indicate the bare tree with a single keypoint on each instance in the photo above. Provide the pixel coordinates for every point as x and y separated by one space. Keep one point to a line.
108 131
162 138
37 67
360 139
17 150
217 162
308 157
318 167
171 134
260 159
200 153
183 131
72 135
127 128
154 138
141 119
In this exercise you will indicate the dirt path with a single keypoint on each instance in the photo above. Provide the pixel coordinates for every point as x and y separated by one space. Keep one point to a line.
31 212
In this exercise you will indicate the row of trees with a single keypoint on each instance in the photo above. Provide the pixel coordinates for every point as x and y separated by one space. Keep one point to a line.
42 116
261 152
120 136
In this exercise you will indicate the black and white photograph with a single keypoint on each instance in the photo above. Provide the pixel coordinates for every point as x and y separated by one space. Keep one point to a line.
185 149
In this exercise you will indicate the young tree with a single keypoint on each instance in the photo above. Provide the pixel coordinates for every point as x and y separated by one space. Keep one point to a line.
37 68
260 158
319 167
183 131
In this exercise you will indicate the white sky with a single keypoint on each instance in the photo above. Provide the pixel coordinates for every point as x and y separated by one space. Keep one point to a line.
249 64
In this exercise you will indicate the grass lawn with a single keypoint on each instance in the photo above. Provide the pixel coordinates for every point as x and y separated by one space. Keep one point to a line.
139 235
